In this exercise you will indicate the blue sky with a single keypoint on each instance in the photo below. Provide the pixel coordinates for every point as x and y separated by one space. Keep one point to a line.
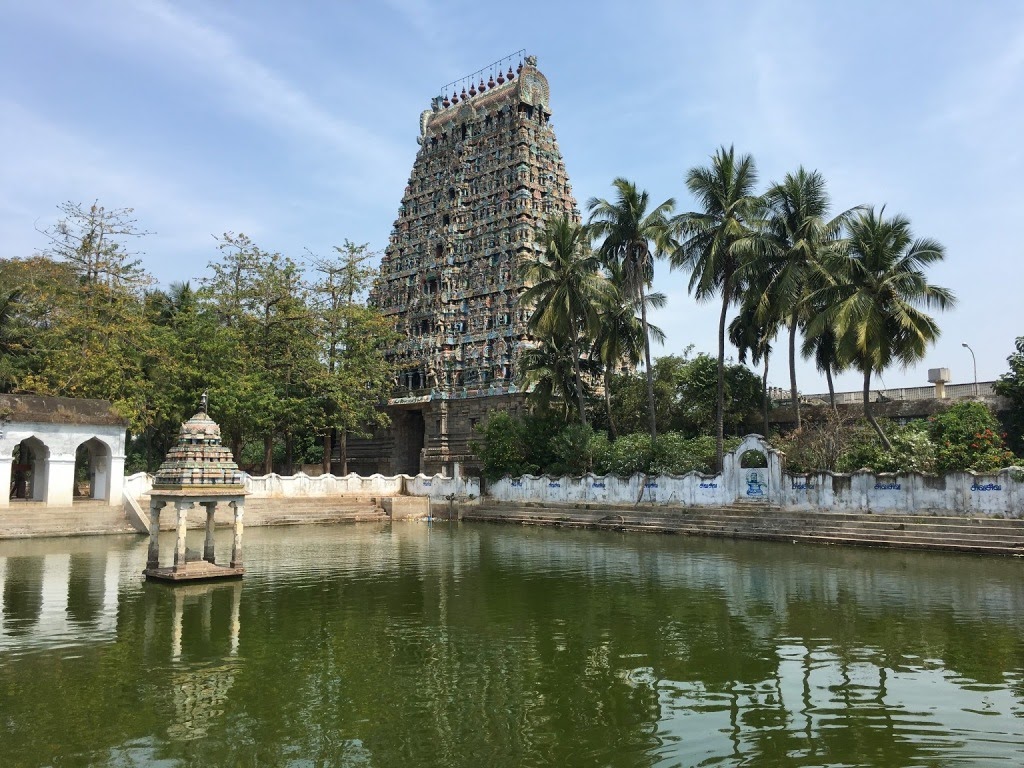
296 123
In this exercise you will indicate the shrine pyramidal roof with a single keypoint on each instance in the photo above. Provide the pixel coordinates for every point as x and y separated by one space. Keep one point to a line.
198 458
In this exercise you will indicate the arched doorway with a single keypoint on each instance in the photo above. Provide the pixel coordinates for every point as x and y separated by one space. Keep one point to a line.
92 470
28 470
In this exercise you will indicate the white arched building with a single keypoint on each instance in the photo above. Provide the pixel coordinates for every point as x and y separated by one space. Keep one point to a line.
56 449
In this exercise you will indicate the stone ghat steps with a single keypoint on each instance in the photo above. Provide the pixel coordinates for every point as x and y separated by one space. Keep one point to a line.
896 523
1005 537
763 515
82 519
288 511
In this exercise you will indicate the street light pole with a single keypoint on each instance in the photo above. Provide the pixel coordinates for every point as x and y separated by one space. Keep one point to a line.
975 361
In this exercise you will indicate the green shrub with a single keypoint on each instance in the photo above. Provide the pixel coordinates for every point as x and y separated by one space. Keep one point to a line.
573 450
504 448
835 444
967 437
912 450
673 454
628 454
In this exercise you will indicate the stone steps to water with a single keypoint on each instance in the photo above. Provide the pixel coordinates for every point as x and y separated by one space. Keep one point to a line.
290 511
85 518
25 520
749 521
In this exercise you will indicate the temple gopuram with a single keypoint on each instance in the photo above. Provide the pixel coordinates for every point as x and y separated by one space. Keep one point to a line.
487 175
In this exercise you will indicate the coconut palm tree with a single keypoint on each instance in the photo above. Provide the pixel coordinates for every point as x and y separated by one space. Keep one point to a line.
620 335
752 336
797 238
875 298
566 289
823 348
712 244
551 373
633 236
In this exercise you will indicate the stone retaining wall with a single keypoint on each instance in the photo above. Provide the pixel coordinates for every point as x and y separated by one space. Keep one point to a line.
959 493
275 486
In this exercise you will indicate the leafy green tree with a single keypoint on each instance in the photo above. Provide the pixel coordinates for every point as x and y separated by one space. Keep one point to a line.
629 395
1011 386
633 237
85 297
697 388
685 390
20 322
93 241
711 248
355 376
672 453
875 295
566 288
796 241
262 299
194 353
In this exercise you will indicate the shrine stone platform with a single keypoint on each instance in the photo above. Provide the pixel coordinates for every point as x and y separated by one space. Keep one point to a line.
198 570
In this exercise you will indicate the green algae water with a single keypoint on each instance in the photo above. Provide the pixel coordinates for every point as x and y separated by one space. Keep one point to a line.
476 645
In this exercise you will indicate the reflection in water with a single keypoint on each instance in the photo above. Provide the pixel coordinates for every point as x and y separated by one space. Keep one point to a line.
86 577
59 592
22 594
482 645
200 688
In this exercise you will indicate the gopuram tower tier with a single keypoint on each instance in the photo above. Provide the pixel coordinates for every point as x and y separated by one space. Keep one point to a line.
487 175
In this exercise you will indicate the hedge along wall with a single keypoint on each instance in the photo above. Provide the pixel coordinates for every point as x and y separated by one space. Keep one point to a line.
958 493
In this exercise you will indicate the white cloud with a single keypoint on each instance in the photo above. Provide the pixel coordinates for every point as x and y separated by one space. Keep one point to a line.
38 157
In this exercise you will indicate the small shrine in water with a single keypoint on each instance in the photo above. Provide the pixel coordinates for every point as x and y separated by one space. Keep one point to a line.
197 470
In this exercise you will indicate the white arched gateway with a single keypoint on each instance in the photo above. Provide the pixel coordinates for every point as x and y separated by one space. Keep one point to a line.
56 449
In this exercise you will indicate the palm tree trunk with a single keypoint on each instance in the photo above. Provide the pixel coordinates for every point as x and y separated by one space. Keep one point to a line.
867 411
792 370
343 449
608 402
650 371
268 454
720 410
764 392
578 375
831 387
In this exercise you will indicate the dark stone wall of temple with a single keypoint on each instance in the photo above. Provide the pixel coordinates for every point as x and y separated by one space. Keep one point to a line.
487 175
447 431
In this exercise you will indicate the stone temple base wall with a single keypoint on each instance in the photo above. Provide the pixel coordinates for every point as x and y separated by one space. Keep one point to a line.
429 434
998 494
276 486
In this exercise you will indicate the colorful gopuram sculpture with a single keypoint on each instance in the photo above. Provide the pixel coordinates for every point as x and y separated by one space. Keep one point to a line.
487 175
